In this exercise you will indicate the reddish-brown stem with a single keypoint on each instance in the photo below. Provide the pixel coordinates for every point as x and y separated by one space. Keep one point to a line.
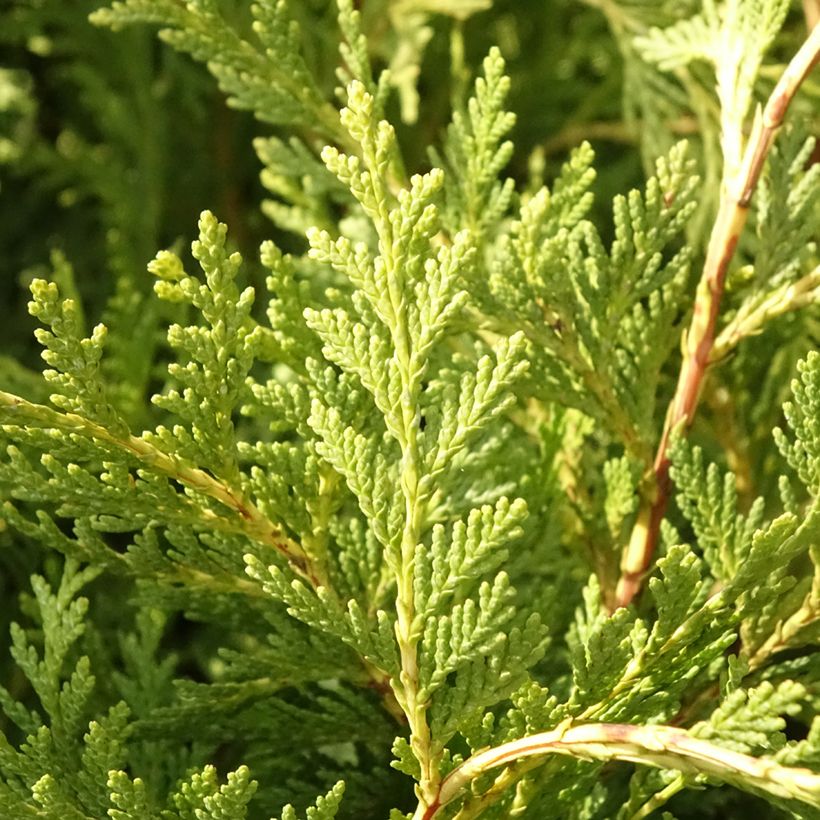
699 338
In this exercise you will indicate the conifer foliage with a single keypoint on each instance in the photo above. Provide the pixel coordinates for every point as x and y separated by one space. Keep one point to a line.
469 494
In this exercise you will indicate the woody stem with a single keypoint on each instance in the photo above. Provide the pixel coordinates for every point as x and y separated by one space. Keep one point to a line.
663 747
699 338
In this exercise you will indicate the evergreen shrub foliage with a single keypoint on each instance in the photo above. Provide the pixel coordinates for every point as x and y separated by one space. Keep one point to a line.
475 474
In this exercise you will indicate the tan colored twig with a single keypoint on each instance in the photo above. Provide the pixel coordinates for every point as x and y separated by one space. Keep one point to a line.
698 341
752 317
663 747
812 11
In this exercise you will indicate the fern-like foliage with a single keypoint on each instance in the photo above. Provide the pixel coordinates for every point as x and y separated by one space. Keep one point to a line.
64 684
554 261
347 515
268 76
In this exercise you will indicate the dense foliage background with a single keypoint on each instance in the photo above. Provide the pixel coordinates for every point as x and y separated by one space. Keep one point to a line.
111 144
